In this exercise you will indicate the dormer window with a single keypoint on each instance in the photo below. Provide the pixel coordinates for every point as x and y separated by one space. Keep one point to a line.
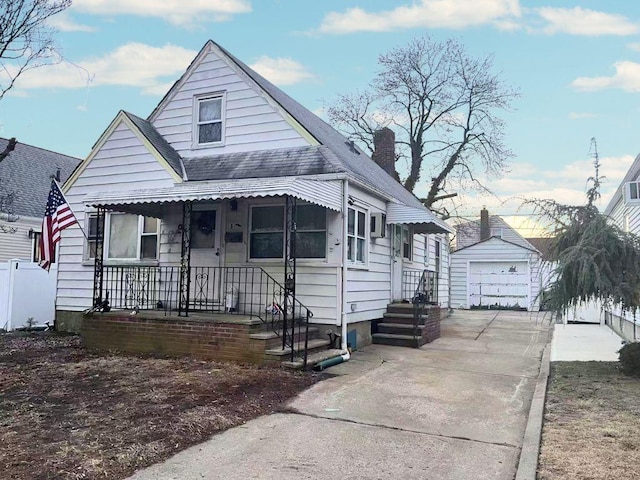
632 193
209 120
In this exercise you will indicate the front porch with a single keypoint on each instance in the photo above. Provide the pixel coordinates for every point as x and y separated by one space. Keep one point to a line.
221 337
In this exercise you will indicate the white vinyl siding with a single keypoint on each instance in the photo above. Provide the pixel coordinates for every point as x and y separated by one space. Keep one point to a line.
14 238
250 121
123 163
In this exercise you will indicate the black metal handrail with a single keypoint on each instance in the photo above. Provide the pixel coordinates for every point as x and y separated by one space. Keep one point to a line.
424 292
249 291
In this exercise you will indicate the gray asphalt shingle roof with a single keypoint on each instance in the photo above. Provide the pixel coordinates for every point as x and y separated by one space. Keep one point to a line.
313 160
354 161
27 172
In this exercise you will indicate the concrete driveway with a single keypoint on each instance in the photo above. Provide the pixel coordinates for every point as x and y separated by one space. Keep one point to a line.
454 409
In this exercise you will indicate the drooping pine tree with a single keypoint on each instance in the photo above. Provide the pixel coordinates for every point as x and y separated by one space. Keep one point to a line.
594 259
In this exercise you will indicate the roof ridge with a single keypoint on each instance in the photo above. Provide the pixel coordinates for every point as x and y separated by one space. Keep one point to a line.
18 142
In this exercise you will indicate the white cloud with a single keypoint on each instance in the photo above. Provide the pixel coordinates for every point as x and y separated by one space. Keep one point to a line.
566 184
627 77
178 12
132 64
635 46
581 115
281 71
425 14
65 23
582 21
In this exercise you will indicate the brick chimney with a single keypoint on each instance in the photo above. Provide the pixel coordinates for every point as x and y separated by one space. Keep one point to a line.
485 230
384 150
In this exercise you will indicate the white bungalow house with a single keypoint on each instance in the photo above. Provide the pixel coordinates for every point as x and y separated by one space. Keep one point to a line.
624 210
233 198
493 266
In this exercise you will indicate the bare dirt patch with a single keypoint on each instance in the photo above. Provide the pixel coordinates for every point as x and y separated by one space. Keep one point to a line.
591 428
69 414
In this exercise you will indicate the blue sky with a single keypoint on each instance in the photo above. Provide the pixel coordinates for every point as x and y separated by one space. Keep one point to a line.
576 64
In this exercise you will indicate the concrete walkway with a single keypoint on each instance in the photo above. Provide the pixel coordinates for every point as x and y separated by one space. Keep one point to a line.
454 409
584 342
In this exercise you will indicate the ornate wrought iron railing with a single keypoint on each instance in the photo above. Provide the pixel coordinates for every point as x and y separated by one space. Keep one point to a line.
247 291
421 288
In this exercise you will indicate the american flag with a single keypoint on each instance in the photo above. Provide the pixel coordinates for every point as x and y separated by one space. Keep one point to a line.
57 217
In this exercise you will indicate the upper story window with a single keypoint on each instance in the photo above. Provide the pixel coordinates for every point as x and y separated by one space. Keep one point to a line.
127 237
632 193
357 235
209 120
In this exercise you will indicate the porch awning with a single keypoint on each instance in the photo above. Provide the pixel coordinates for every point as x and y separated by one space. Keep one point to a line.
327 194
423 220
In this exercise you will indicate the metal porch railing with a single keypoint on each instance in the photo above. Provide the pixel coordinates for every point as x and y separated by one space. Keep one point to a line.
421 289
249 291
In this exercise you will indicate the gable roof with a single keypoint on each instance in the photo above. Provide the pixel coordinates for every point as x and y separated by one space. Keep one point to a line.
348 157
497 239
156 145
158 141
27 172
495 221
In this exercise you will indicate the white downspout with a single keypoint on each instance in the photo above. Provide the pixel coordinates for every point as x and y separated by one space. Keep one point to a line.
343 307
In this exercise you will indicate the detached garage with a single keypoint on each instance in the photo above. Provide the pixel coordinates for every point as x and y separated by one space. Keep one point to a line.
495 273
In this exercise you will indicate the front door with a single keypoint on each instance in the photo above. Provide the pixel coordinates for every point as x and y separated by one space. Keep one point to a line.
396 262
206 284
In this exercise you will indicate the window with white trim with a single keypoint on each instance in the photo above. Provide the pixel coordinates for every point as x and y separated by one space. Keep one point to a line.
426 250
126 237
407 243
266 233
267 225
311 231
35 248
357 235
209 120
496 232
437 257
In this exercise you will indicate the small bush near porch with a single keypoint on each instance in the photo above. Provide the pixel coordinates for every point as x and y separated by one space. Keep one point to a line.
69 414
591 428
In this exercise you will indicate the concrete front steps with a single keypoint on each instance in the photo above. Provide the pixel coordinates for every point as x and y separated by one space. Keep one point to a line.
397 326
318 345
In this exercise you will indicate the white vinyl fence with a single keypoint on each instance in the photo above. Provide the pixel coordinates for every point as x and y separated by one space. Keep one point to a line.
27 294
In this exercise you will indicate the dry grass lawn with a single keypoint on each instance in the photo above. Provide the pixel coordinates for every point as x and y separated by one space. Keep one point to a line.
69 414
592 423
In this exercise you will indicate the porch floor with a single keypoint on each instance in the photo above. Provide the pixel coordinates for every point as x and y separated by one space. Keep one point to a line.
209 317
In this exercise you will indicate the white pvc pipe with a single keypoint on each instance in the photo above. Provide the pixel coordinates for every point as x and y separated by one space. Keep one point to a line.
345 226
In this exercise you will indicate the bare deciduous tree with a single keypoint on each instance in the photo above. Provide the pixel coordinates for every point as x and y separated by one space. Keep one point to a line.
443 106
26 42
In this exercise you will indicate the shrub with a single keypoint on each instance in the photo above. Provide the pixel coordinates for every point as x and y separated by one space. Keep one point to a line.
630 359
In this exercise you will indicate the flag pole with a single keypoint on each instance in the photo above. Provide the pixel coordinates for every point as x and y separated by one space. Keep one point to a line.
69 205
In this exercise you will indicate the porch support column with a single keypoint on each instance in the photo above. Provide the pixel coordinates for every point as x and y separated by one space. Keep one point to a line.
98 268
185 260
289 270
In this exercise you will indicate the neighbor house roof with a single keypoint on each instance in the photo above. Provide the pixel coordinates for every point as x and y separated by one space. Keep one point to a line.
27 172
471 232
542 244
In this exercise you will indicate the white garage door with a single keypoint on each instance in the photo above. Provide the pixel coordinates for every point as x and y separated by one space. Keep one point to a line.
499 284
